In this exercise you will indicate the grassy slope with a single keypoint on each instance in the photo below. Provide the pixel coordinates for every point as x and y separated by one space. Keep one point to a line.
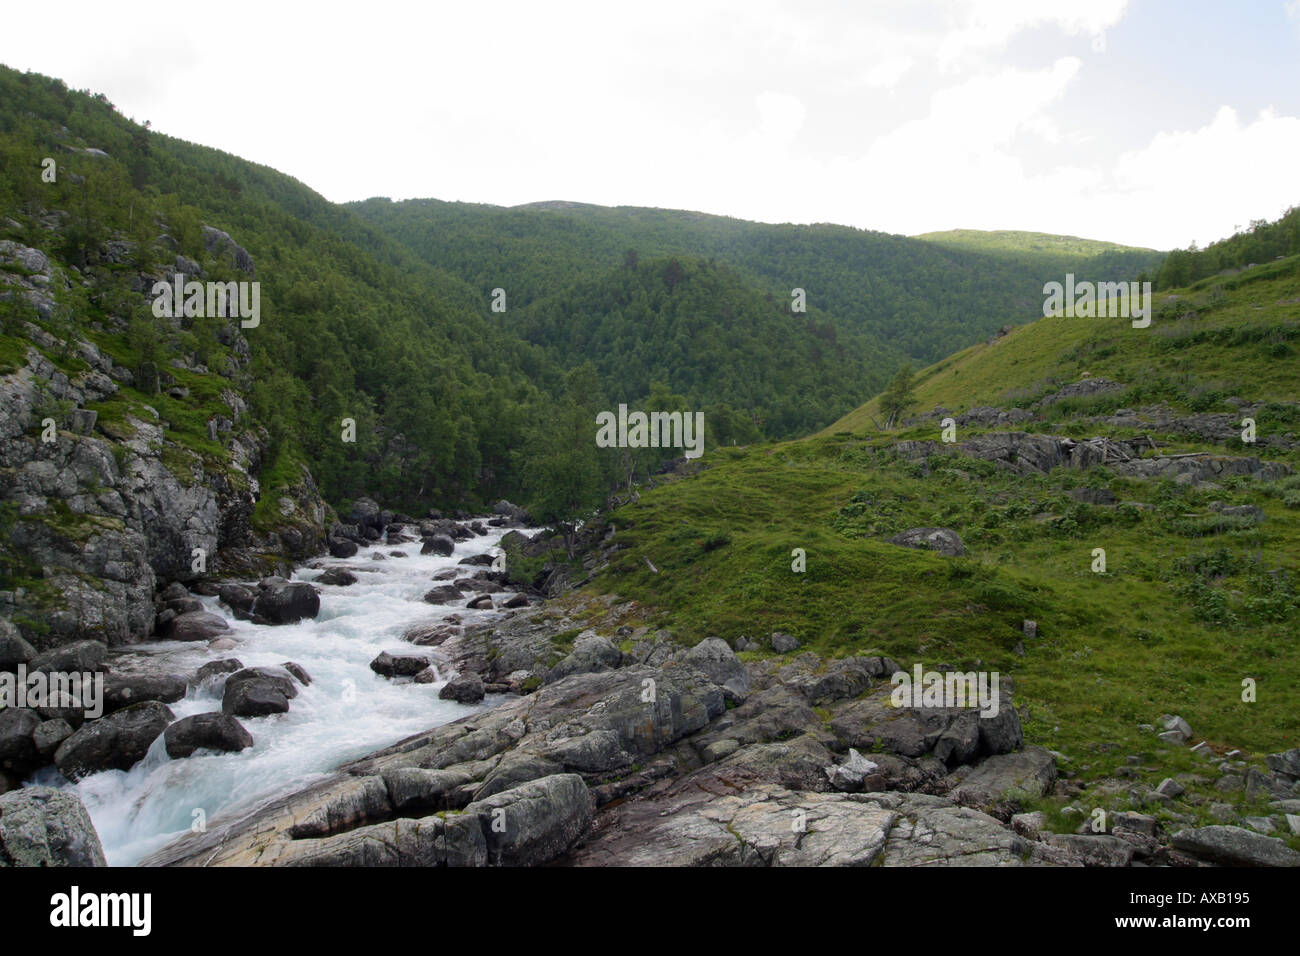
1011 240
1185 611
1235 335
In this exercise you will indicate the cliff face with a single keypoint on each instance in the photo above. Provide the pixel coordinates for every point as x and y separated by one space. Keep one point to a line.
119 476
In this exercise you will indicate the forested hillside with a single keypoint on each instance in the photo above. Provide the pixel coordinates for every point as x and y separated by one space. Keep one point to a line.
921 298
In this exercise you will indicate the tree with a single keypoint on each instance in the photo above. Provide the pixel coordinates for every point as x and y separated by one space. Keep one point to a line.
898 396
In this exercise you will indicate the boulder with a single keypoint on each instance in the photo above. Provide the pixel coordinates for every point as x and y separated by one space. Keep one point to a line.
121 692
14 650
44 826
214 731
720 664
784 643
944 540
286 602
79 656
257 692
438 544
196 626
213 670
398 665
338 577
591 653
464 689
341 547
443 594
116 742
17 725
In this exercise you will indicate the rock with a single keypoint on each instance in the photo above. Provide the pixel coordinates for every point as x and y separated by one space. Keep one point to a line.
43 826
80 656
121 692
535 822
14 650
1006 778
848 776
944 540
438 544
338 577
591 653
464 689
720 664
215 669
443 594
17 726
1029 825
285 602
482 602
516 600
49 734
197 626
238 598
1094 849
398 665
1139 822
341 547
214 731
257 692
298 671
1287 762
784 643
1234 846
1171 788
116 742
1173 737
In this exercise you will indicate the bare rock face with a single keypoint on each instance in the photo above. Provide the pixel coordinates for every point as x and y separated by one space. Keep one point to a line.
944 540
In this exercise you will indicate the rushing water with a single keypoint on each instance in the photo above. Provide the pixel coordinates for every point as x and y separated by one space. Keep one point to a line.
347 711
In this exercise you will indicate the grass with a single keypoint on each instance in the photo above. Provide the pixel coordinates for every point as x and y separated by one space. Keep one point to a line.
1115 650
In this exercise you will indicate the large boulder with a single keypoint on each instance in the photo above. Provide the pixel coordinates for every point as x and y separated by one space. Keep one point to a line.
398 665
122 692
17 725
43 826
79 656
257 692
591 653
464 689
286 602
443 594
341 547
14 650
116 742
438 544
214 731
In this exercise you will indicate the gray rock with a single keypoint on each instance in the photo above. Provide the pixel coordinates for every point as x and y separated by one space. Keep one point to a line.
197 626
214 731
398 665
79 656
464 689
286 602
49 734
1171 788
116 742
443 594
535 822
121 692
17 725
591 653
848 776
1287 762
1234 846
258 692
784 643
43 826
1094 849
14 650
337 577
213 670
944 540
438 544
1005 778
720 664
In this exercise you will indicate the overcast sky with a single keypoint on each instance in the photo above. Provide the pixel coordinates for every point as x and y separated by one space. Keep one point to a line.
1149 122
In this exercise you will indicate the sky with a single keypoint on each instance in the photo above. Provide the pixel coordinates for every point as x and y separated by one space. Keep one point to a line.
1147 122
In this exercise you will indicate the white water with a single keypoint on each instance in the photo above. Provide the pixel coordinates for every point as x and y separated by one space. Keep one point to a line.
347 712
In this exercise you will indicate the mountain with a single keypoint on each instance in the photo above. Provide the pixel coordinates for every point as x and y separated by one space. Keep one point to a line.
916 297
